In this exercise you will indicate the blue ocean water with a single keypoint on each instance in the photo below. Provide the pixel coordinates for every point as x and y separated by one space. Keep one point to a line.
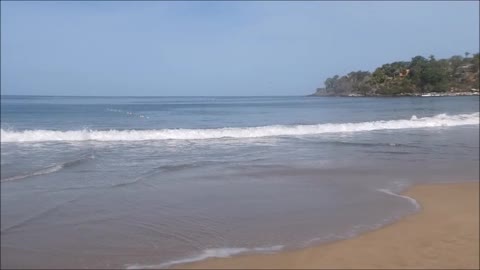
154 181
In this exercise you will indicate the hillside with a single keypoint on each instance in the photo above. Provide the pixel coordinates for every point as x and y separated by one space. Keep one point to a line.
456 74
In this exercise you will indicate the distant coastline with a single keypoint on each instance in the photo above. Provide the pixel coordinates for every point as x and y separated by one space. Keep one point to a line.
473 92
455 76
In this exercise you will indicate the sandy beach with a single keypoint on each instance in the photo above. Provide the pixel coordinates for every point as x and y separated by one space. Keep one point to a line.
443 234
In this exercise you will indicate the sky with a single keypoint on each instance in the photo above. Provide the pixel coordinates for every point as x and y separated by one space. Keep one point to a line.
220 48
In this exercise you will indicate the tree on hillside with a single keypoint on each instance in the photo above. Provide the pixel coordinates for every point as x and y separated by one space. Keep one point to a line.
330 82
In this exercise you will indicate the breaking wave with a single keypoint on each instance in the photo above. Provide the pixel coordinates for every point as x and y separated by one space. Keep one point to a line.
441 120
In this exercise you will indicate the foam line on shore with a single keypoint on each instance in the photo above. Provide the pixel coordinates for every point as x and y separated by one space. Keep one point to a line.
410 199
209 253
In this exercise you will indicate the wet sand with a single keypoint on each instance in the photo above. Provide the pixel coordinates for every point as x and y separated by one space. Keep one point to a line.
443 234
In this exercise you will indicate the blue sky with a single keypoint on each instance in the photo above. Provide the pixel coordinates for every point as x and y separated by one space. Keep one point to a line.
217 48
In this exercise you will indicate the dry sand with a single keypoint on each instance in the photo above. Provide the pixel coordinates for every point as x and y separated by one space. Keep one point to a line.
444 234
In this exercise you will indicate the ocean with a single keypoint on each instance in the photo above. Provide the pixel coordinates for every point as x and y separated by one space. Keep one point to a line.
152 182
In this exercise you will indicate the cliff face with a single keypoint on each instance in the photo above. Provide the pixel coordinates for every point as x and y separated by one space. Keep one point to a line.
415 77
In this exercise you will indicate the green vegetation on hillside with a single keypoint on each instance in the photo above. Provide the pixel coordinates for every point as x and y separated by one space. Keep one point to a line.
420 75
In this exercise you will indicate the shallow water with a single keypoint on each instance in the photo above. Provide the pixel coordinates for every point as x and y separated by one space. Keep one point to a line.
146 181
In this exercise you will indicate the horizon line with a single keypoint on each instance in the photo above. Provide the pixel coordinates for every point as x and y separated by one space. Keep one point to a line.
26 95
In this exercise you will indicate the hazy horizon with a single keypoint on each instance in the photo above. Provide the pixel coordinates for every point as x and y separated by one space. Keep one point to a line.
217 48
43 95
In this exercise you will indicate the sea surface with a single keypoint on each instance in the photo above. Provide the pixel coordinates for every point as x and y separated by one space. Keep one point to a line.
151 182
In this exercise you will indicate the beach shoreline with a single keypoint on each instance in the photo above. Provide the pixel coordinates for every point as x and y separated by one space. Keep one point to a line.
444 233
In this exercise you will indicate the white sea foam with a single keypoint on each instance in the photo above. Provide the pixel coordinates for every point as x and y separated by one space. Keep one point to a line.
441 120
208 253
410 199
127 113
